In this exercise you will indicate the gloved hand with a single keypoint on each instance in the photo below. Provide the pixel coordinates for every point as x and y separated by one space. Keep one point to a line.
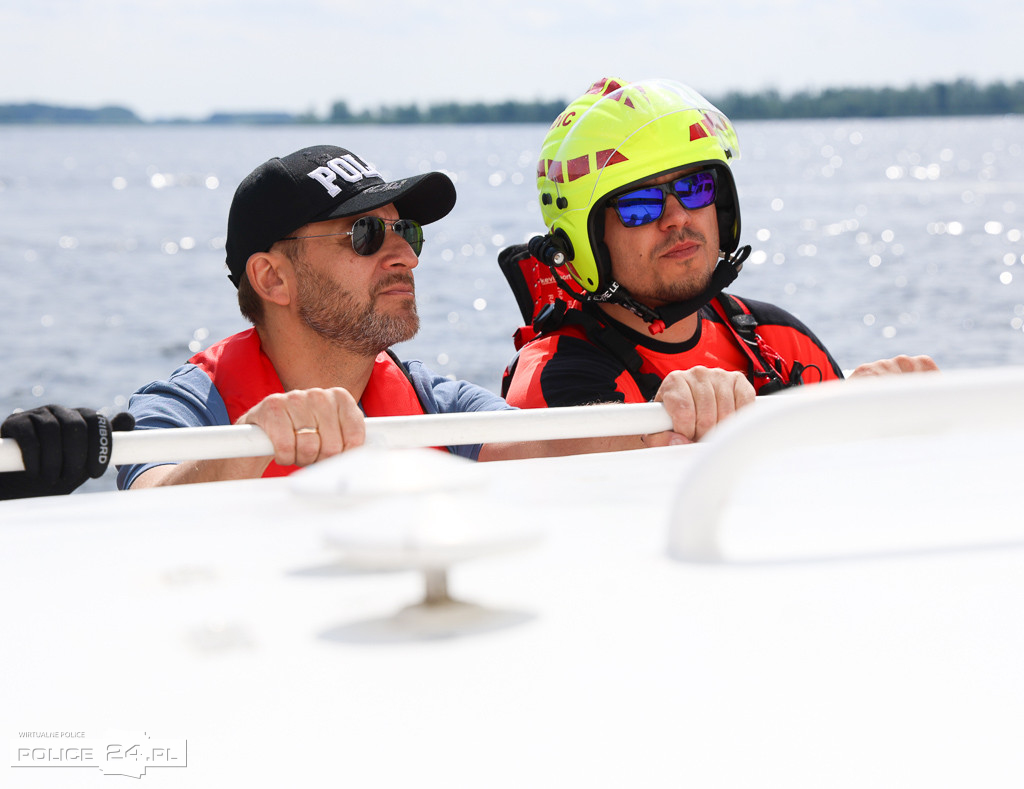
60 447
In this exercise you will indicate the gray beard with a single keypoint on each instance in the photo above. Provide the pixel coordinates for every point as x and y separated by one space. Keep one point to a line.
333 314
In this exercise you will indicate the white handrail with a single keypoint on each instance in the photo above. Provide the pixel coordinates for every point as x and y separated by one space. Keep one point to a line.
230 441
828 414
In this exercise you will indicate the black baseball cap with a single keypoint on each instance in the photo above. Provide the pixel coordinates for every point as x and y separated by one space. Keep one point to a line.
316 184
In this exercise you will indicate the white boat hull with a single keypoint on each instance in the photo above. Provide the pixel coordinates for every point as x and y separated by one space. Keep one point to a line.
860 626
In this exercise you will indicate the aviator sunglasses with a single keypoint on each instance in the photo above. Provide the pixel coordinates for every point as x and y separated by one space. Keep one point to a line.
368 234
642 206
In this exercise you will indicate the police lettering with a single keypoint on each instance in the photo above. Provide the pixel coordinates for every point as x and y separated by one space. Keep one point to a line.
50 755
349 167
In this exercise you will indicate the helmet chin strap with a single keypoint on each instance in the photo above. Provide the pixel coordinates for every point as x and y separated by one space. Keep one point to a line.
658 320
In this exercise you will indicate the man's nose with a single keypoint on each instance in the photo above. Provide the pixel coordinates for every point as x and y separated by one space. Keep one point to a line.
674 214
397 252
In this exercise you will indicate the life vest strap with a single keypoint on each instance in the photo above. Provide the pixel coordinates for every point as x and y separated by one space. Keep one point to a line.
766 369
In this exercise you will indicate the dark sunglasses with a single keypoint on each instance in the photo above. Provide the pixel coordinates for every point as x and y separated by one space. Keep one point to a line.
368 234
642 206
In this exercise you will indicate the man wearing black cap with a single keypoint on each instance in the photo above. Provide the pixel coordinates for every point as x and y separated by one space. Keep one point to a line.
322 250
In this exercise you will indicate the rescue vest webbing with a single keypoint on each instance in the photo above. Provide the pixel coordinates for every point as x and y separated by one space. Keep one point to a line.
546 307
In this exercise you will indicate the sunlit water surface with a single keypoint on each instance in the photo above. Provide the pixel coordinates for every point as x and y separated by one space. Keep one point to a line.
884 236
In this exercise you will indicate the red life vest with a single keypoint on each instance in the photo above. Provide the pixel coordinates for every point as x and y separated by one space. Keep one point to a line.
244 375
547 308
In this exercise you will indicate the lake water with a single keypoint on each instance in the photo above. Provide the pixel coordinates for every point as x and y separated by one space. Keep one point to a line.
884 236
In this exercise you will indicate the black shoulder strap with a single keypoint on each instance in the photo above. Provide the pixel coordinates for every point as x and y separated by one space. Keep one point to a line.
765 377
605 337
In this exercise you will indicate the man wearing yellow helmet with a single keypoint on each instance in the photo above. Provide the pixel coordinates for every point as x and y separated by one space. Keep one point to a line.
636 189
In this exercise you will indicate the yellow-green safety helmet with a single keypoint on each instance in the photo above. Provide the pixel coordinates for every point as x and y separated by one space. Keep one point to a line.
619 134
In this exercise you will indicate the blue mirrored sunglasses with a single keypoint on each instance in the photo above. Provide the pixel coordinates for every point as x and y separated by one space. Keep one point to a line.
368 234
643 206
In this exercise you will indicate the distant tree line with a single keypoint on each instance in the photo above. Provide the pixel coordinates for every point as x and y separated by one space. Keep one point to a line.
452 112
44 113
962 97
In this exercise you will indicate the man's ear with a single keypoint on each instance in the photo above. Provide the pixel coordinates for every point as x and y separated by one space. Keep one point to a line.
272 277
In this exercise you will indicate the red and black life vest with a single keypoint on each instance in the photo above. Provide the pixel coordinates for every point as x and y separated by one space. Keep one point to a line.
244 375
547 307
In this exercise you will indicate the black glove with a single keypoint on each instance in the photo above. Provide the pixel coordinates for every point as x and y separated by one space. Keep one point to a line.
60 447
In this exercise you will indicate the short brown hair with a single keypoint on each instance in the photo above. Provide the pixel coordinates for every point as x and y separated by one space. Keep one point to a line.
249 302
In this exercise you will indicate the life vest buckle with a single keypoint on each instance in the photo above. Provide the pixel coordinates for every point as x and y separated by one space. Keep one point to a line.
550 317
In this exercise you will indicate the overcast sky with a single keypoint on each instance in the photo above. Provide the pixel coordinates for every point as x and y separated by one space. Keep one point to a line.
188 58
